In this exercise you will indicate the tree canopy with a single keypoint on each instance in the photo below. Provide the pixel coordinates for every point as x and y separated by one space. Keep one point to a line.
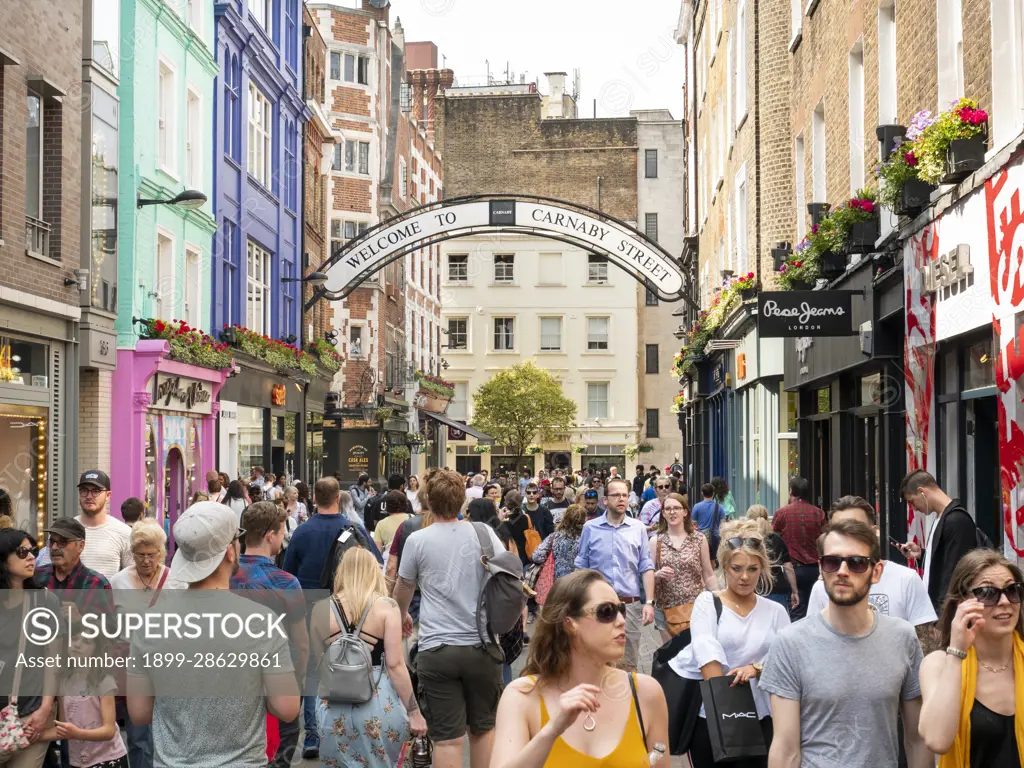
522 405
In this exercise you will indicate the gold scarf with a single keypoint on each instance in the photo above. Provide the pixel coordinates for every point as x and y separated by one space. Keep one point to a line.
960 754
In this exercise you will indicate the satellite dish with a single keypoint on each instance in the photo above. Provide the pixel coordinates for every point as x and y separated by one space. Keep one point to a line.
380 3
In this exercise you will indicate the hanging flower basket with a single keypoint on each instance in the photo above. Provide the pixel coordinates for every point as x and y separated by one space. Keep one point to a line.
952 146
399 453
482 448
533 450
645 448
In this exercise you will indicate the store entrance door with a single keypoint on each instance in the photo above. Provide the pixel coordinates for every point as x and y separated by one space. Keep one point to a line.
983 486
466 464
174 494
821 463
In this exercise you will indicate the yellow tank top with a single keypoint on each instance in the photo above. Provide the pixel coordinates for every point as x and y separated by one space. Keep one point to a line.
630 752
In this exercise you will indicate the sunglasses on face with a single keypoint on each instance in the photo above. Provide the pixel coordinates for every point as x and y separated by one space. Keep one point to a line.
662 487
605 612
24 553
856 563
738 542
990 596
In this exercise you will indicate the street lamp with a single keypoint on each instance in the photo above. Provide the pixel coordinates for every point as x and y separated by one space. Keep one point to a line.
369 411
313 278
190 199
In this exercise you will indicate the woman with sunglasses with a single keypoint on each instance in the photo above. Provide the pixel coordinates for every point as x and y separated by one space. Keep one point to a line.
572 707
738 642
973 709
682 565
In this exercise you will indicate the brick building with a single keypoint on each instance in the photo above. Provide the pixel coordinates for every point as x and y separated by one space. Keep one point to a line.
40 249
384 163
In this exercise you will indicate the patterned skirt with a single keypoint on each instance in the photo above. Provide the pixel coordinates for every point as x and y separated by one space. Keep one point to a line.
366 735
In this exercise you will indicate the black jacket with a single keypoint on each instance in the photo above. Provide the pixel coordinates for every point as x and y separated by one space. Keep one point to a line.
953 537
374 511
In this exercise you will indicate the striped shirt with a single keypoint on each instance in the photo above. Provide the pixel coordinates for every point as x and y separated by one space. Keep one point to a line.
107 547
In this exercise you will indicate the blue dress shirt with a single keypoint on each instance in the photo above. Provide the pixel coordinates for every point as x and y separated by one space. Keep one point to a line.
620 552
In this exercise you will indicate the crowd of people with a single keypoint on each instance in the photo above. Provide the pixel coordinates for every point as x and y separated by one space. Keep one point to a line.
850 659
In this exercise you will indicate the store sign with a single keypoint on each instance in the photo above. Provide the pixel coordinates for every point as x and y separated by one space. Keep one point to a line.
950 272
279 395
741 367
803 343
503 212
357 460
454 433
805 313
178 393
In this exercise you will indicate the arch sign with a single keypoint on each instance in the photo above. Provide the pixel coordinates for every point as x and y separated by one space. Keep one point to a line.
576 225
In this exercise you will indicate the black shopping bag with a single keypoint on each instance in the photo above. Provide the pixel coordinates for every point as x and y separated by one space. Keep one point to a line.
733 725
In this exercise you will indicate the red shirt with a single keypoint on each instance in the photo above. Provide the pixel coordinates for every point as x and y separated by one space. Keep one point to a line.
800 524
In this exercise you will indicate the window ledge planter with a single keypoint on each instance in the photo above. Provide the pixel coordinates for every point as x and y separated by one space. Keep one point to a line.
832 264
863 236
915 196
964 157
817 211
801 285
748 294
780 254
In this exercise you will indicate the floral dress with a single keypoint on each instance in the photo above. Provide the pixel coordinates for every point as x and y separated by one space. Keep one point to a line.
688 581
565 548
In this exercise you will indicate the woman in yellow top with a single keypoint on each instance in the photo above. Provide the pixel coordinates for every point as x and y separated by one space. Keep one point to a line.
973 709
573 707
397 507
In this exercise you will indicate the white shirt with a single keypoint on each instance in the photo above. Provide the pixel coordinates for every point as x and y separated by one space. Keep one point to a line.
107 547
929 534
414 500
899 593
734 641
274 493
475 492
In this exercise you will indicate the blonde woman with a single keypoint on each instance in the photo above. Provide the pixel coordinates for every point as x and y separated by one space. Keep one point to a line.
784 591
148 544
737 643
369 734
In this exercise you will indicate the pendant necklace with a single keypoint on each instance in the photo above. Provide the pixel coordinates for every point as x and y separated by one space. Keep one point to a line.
589 723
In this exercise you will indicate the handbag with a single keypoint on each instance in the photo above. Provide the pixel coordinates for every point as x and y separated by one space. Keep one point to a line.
677 618
733 725
531 536
545 579
512 642
12 730
681 694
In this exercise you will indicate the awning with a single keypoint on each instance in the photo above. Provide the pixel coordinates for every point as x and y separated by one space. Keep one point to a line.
481 437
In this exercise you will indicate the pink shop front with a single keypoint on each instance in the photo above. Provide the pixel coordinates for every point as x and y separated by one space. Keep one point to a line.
164 429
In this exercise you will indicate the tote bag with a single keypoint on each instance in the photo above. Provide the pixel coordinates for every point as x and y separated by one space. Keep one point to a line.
733 725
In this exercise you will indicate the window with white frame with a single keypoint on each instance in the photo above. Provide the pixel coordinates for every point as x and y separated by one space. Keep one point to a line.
730 223
193 286
801 195
458 267
164 294
722 133
701 78
730 66
458 333
350 68
194 15
504 334
350 230
597 269
818 189
651 226
363 70
350 156
887 61
950 24
257 289
337 241
458 408
742 250
364 157
504 267
1008 60
260 135
856 102
550 269
597 400
796 21
194 143
34 152
403 179
597 334
336 160
741 62
356 347
335 65
166 117
262 11
551 334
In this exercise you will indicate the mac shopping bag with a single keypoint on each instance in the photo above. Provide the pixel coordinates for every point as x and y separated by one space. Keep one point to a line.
733 725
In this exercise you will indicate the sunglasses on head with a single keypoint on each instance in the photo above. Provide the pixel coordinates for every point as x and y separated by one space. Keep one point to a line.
856 563
990 595
605 612
736 542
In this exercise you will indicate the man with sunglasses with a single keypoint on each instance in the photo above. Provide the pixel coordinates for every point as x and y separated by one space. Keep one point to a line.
107 541
539 514
651 511
840 679
617 546
67 576
800 523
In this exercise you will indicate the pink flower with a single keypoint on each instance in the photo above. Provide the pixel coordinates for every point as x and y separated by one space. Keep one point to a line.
798 264
750 274
911 159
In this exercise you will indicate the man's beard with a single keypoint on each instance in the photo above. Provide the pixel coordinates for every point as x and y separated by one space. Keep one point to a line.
856 597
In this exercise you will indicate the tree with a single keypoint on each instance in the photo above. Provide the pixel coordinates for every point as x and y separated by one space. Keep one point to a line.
521 405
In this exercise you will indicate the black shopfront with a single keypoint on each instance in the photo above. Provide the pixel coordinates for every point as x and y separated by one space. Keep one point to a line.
851 425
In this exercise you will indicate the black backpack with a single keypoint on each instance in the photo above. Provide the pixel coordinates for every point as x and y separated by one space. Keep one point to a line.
981 539
347 538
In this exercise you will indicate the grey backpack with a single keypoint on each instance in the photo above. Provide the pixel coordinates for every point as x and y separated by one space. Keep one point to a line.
502 591
346 668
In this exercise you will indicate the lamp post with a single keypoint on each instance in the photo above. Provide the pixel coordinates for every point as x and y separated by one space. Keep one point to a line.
190 200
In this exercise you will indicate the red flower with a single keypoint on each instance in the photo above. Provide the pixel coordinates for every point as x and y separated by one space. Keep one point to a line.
750 274
798 264
814 229
159 326
911 159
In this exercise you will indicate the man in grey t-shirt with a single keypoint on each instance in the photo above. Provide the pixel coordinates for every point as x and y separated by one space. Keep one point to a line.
840 678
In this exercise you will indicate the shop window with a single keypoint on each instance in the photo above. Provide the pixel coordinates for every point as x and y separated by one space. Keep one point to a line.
980 369
824 400
871 389
24 363
250 438
23 452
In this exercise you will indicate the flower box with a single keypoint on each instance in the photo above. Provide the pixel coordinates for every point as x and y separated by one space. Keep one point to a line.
801 285
890 136
748 294
431 402
817 211
832 264
914 197
780 255
964 157
863 236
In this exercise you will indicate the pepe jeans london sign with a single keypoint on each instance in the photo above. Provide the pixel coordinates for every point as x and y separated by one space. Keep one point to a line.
177 393
805 313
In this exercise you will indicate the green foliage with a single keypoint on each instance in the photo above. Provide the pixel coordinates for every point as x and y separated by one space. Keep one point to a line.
399 453
521 405
435 385
283 357
188 345
963 121
324 351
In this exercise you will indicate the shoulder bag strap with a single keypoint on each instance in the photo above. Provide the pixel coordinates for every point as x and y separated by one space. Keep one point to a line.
13 700
657 555
485 539
159 586
338 616
718 611
636 703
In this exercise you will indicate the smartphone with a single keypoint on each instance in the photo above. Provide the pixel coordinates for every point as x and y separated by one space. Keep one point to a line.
894 543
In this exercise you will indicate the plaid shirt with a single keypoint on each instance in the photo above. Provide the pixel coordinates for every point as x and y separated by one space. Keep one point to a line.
800 525
84 587
283 593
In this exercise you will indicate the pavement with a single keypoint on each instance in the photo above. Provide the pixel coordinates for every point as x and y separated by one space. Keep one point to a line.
649 643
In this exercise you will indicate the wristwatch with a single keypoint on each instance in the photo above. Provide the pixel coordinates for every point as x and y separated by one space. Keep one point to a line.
758 667
650 603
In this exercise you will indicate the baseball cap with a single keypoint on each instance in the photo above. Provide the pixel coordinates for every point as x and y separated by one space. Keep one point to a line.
67 527
201 537
591 494
95 478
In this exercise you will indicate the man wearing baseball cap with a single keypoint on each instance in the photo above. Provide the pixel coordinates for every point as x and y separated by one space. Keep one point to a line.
200 730
592 504
66 574
107 539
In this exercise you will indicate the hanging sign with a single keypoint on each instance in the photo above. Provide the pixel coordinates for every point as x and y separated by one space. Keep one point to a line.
805 313
178 393
454 433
